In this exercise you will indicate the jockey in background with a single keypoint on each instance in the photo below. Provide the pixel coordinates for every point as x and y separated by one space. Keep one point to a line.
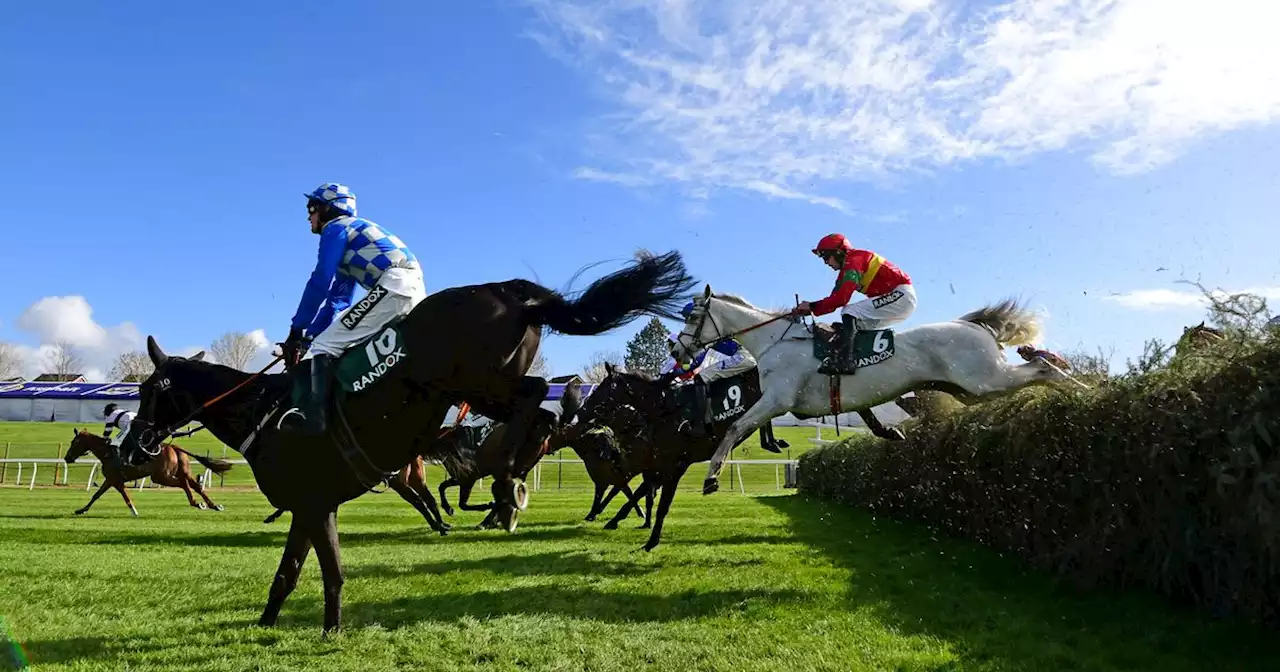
352 250
730 360
891 298
116 418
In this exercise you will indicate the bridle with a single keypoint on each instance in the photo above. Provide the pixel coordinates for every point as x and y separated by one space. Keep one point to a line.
698 344
151 436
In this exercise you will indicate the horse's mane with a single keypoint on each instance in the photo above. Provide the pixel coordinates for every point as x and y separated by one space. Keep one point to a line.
738 300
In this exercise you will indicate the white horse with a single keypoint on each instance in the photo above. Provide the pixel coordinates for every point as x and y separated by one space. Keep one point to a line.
962 357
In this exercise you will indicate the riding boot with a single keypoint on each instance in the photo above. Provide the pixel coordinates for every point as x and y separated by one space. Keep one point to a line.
848 362
696 427
316 412
309 396
837 360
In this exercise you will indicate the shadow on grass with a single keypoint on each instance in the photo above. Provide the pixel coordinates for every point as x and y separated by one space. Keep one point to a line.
997 612
584 603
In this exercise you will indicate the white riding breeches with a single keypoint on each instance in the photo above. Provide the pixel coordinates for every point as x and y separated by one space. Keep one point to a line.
396 294
727 367
886 310
118 437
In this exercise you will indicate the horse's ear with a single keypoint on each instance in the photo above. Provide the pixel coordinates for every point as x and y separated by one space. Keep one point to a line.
198 357
75 431
153 350
608 367
706 294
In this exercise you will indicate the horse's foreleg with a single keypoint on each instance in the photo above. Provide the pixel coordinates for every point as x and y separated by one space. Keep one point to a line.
296 548
464 495
324 534
101 489
768 408
669 483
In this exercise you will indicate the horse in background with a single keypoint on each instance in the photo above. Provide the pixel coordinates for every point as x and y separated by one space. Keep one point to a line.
467 464
963 357
171 467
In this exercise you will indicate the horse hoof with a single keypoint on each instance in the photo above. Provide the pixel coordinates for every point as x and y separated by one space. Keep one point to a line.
79 511
520 494
218 507
710 485
611 525
513 520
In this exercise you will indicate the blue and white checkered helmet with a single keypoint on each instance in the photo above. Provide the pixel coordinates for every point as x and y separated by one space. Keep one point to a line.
339 196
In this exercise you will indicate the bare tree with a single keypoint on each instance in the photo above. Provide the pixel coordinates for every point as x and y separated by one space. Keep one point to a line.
131 367
594 372
10 361
65 359
539 367
234 349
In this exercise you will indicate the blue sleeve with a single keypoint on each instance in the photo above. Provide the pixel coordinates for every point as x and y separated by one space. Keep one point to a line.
339 298
333 242
727 348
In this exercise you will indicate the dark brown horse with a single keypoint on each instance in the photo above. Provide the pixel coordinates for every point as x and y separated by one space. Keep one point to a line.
171 467
471 344
639 417
466 465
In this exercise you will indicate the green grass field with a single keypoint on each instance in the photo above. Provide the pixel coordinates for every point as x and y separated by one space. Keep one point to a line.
48 440
740 583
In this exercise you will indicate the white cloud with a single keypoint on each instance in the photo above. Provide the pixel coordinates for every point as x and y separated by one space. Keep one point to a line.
70 319
775 96
1169 299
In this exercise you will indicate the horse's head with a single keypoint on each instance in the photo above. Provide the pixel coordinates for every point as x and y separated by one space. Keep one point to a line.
82 441
712 317
170 395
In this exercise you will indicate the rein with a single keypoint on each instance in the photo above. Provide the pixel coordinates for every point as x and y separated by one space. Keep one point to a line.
150 436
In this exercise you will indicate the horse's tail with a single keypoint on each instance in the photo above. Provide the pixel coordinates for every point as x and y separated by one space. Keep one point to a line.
455 453
655 285
1009 322
217 466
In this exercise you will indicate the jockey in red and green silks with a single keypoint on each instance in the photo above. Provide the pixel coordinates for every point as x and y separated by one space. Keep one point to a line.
891 298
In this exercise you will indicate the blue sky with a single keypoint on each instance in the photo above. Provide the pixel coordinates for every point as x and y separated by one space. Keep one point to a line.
155 155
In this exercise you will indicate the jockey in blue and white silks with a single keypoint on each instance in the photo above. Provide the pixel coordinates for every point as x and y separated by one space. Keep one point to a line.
353 250
723 359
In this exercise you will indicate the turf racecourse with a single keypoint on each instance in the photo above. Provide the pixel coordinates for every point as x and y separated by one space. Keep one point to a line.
740 583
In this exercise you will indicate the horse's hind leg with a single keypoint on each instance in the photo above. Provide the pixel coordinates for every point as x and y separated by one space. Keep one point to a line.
296 548
195 485
444 500
124 492
184 481
632 501
410 495
517 449
596 501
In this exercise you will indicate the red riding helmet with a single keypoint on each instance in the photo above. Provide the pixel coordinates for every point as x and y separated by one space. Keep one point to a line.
832 243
